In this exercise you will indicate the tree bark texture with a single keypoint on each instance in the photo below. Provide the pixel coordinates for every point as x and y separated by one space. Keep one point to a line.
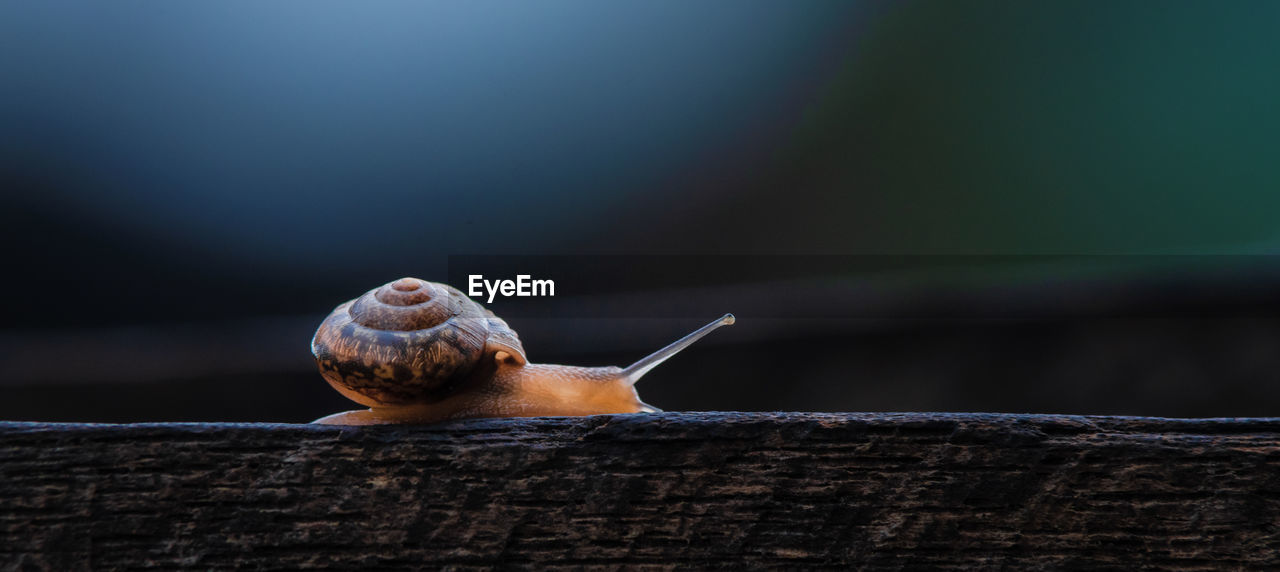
662 491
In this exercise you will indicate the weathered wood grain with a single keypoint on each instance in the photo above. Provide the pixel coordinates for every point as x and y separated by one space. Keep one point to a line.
731 490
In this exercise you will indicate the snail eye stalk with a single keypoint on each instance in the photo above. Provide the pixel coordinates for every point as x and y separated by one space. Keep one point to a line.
635 371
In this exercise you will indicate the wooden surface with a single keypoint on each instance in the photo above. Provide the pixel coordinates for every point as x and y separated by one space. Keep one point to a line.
881 491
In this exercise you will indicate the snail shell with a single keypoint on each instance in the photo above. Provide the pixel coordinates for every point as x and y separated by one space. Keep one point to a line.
409 341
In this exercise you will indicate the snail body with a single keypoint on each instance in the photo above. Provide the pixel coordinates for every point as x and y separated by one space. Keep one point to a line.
421 352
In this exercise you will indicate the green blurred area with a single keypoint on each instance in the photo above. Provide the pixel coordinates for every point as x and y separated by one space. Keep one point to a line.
1033 127
1072 126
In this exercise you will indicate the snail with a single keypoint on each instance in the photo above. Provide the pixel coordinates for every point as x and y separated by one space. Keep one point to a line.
415 351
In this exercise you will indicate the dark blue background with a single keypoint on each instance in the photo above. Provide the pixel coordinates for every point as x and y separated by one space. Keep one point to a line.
174 169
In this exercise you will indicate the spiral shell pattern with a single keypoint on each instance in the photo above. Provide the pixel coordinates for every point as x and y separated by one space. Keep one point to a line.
407 341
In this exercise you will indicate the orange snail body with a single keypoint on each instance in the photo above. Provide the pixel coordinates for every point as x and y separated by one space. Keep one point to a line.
420 352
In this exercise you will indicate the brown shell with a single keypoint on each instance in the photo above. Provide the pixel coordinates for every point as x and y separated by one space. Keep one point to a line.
408 341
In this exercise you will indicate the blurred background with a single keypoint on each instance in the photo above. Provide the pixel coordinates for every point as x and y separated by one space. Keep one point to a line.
1039 207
